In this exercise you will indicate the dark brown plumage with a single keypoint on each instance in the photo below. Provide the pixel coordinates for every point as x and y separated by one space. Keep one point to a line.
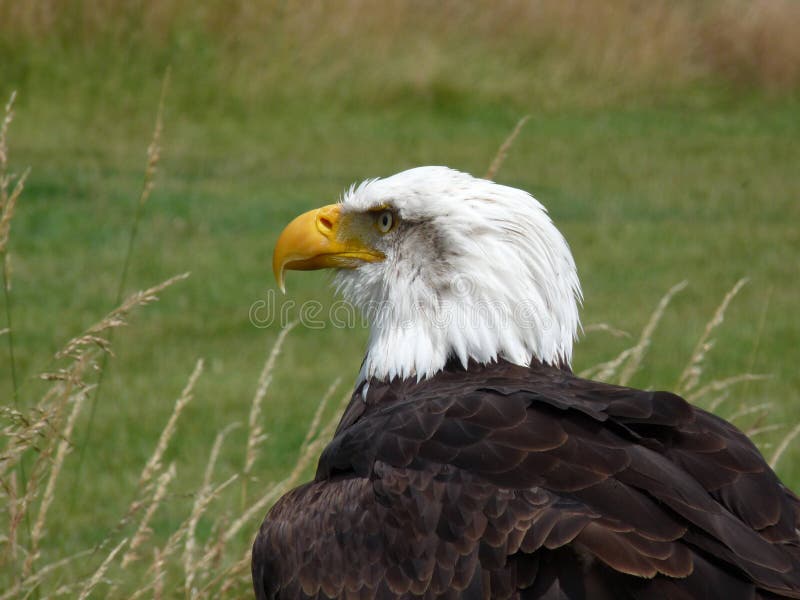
506 482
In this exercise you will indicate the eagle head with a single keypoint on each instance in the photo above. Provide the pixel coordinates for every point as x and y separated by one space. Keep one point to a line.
444 266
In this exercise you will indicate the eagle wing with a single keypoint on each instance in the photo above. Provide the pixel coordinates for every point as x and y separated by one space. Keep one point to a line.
505 482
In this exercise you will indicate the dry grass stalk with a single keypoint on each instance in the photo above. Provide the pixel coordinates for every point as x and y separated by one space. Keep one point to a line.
214 454
27 431
7 205
158 575
784 444
199 509
312 428
154 148
5 178
630 357
79 349
228 576
754 431
235 572
97 576
189 561
694 369
502 152
255 434
746 410
214 548
55 470
42 422
27 586
155 582
190 564
641 347
215 545
308 451
606 370
40 431
20 496
13 506
8 116
44 426
717 402
171 545
116 318
154 462
608 328
68 378
265 501
143 531
719 385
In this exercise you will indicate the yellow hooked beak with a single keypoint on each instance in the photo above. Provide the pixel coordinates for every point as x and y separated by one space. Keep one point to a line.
320 239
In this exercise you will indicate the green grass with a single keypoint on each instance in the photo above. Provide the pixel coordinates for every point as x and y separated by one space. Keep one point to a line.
699 182
646 197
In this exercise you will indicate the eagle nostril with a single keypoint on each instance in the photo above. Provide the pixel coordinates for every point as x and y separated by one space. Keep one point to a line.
325 223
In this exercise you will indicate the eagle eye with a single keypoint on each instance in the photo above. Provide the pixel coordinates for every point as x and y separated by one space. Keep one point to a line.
384 221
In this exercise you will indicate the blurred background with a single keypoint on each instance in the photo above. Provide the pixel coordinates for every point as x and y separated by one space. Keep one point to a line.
664 137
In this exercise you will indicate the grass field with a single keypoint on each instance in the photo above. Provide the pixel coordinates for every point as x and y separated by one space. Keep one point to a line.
658 164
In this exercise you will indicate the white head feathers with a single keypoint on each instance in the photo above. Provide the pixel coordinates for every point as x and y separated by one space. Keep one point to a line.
473 271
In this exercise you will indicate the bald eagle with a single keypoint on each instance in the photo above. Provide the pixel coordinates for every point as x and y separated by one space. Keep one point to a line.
471 462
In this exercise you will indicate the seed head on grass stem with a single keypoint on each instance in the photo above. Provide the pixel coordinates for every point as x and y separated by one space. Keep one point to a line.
154 462
638 351
97 576
502 152
255 431
694 369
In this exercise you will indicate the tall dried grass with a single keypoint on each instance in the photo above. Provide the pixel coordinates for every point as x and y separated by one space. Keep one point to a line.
132 561
507 49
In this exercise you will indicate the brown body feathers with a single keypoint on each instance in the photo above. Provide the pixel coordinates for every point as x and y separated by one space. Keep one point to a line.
506 482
